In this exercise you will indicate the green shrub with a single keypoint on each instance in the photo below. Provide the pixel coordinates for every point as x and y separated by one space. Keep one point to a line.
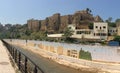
85 55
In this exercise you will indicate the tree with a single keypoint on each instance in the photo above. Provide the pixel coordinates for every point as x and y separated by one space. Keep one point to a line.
90 26
38 35
88 10
85 55
47 21
112 24
109 20
28 32
117 38
117 20
67 33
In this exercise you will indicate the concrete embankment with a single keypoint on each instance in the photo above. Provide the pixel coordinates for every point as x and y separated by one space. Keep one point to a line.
49 65
91 66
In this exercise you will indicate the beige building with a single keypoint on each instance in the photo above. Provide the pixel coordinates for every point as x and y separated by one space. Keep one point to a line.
80 33
83 34
112 31
101 30
118 28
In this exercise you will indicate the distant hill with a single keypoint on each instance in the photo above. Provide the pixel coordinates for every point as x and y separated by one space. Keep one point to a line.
12 31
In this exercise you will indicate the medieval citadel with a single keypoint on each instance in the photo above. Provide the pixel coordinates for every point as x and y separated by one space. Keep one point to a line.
57 23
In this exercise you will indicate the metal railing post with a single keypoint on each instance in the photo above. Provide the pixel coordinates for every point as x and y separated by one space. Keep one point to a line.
26 65
35 69
19 62
15 55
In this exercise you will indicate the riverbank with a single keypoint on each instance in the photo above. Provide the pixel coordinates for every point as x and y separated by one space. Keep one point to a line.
50 66
66 61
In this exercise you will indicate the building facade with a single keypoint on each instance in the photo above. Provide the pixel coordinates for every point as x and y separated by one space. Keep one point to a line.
101 30
112 31
118 28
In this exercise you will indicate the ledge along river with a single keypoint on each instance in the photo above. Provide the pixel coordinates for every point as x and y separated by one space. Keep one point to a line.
49 66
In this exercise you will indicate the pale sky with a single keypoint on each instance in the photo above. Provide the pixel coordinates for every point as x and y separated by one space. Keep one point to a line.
19 11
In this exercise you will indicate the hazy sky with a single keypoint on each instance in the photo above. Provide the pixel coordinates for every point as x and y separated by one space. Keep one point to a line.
19 11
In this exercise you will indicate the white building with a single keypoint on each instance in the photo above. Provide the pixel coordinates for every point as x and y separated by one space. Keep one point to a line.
112 31
101 30
118 28
81 33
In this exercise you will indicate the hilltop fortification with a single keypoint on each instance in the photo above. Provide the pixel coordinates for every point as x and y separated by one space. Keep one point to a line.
57 23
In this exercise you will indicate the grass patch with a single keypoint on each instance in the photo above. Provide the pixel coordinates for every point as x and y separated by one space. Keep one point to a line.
85 55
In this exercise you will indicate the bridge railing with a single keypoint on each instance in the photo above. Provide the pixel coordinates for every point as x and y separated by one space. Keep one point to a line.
24 63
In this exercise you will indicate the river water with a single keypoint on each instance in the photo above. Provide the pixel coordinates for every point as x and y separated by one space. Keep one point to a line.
100 53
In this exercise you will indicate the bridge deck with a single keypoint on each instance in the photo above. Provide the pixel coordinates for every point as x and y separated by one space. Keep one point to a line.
5 65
